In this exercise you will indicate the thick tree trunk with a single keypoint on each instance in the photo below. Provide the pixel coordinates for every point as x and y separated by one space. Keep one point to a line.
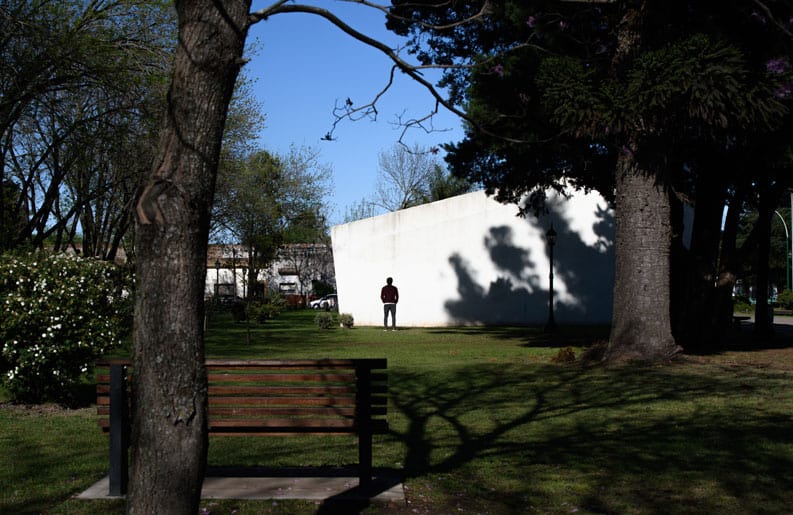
696 324
641 328
169 432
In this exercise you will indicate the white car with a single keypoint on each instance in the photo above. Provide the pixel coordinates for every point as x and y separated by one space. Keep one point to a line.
326 302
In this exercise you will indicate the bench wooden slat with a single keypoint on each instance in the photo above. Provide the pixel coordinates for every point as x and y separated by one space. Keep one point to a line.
267 377
381 363
302 411
282 401
272 398
287 428
281 423
280 390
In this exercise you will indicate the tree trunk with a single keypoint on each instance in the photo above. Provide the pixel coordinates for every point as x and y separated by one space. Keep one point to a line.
172 218
696 326
641 328
729 263
763 321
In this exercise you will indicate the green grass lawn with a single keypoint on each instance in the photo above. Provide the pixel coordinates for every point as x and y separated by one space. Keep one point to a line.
483 421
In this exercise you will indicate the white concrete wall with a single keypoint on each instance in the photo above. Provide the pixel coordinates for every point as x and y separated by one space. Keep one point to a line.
470 260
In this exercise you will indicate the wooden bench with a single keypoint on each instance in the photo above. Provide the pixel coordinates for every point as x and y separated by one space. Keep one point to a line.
263 398
737 321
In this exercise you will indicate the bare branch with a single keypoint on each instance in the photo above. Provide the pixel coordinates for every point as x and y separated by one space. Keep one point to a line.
763 7
412 71
484 11
263 14
369 110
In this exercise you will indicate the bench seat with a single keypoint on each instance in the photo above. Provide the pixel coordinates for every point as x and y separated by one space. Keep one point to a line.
263 398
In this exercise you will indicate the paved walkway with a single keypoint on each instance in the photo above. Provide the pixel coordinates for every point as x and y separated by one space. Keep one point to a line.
251 484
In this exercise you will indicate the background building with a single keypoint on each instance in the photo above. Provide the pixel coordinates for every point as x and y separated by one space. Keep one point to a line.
291 274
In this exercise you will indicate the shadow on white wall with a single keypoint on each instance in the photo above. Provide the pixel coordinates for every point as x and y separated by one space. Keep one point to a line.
469 260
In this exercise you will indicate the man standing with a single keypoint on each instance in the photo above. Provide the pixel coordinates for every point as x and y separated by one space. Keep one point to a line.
390 296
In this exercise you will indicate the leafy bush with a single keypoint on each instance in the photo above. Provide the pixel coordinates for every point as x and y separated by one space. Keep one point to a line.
258 310
271 307
276 304
321 288
239 311
346 320
59 314
785 299
742 305
324 320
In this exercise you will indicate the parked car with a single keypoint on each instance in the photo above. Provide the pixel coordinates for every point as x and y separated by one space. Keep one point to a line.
326 302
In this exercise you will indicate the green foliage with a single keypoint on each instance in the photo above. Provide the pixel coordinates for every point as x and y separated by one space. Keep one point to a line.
11 219
324 320
239 311
259 310
321 288
742 305
444 185
785 299
273 305
59 314
264 200
97 72
346 320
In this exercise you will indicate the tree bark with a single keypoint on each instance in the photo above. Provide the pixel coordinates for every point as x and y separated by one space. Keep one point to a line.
641 328
763 321
172 219
695 321
729 262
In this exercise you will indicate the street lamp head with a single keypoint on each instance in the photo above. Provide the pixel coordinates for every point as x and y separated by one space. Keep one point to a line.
550 236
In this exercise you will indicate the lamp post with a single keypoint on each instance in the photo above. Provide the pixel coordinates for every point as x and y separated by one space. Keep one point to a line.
550 238
217 278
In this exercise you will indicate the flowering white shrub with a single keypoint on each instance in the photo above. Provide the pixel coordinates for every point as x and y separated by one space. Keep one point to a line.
59 313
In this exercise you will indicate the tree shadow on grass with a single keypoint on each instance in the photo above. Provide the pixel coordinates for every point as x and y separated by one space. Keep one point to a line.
648 440
41 457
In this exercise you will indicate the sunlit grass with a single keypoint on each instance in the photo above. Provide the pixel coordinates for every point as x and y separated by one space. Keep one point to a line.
482 421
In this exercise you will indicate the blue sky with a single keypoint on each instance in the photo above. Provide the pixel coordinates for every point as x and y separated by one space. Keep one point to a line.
303 66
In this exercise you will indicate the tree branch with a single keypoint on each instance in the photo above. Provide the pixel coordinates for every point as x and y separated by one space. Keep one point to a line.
412 71
763 7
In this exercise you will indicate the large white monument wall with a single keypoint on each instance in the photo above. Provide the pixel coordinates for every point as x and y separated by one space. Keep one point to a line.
469 260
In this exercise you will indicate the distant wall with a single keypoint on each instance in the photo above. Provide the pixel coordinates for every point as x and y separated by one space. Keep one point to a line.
470 260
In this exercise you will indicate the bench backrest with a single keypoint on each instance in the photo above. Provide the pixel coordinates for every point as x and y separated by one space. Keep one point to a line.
271 397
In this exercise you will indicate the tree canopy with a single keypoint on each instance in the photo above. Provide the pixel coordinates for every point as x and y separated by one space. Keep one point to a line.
81 90
599 95
264 201
550 102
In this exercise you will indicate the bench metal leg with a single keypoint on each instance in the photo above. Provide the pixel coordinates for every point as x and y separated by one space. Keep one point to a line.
364 420
365 459
119 431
